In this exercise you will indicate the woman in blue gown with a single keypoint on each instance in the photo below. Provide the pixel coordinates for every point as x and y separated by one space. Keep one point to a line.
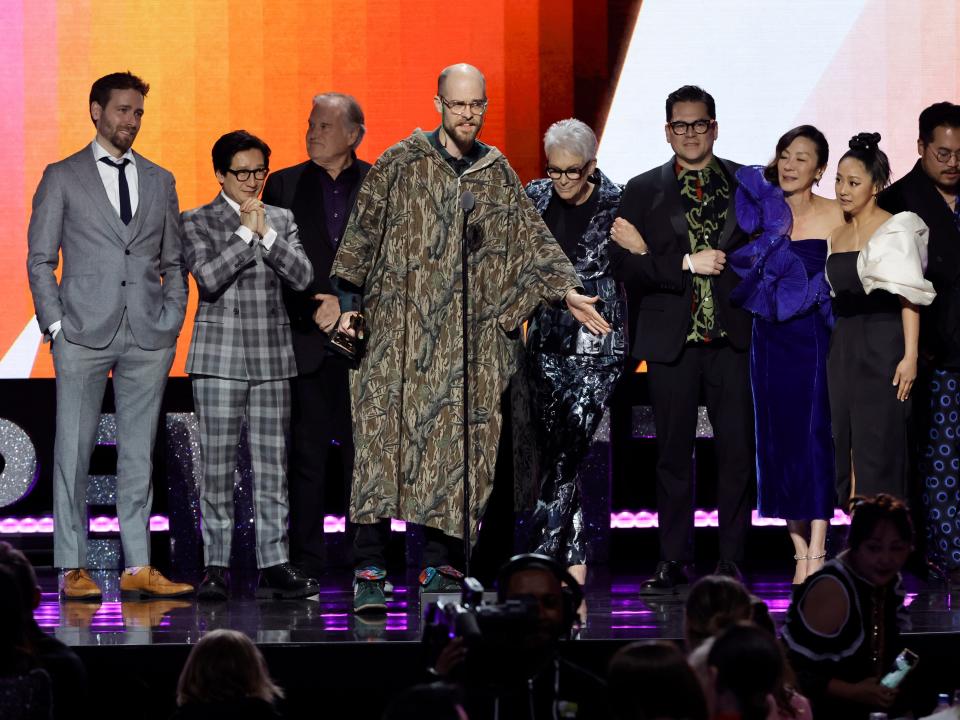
783 285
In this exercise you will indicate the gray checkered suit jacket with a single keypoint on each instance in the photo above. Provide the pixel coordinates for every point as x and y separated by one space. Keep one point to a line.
241 330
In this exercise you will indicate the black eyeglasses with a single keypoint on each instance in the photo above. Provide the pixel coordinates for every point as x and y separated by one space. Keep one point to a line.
459 107
573 173
244 175
700 127
944 155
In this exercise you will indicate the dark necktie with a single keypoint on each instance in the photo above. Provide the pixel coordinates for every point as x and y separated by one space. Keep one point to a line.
125 212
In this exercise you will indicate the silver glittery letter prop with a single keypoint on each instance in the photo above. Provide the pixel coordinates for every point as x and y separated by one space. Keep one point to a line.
20 463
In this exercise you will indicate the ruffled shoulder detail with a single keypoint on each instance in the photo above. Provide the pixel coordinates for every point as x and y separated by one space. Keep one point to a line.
760 204
774 282
895 258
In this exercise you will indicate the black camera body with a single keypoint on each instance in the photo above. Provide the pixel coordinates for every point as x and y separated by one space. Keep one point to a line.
492 631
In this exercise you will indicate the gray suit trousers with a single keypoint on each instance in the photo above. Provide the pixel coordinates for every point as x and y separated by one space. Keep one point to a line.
139 377
221 404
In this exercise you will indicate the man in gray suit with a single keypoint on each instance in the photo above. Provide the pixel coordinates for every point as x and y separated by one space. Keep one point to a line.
240 252
119 307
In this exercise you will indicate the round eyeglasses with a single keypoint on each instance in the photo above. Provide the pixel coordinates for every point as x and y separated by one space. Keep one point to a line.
244 175
573 173
700 127
459 107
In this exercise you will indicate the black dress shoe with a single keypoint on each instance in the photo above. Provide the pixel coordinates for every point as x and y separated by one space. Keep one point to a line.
215 586
308 568
730 569
668 579
285 582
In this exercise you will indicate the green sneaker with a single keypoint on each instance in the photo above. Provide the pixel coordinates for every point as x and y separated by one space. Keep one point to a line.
443 579
368 596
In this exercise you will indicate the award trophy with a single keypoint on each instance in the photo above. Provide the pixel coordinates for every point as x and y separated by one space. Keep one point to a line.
349 347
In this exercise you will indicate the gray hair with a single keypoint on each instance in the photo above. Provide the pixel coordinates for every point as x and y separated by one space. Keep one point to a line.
352 111
572 135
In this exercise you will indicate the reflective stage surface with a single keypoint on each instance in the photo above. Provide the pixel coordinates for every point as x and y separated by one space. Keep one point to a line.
615 612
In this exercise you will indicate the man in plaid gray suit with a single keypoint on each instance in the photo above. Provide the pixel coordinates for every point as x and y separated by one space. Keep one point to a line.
240 251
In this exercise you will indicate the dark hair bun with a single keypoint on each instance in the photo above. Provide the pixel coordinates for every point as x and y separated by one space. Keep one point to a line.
865 141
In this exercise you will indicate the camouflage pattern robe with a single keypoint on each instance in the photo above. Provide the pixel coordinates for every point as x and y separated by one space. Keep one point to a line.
402 247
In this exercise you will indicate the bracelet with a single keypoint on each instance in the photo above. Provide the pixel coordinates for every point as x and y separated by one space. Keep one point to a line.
690 267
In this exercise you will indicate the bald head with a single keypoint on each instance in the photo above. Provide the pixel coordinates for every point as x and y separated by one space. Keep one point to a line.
459 73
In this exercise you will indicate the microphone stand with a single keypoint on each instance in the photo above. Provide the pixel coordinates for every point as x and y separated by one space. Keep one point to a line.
467 203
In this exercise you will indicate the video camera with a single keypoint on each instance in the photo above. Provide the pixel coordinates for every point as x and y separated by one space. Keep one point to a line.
494 633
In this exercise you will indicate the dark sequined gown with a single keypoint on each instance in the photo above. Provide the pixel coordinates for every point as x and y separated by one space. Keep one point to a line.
572 373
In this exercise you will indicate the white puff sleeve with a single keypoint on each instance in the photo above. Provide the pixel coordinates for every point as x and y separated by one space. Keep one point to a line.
895 258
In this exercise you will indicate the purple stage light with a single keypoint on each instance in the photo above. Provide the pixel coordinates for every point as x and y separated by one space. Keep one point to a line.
622 520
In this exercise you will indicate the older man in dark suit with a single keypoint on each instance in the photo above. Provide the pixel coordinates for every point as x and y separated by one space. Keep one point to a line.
241 252
321 192
118 309
687 330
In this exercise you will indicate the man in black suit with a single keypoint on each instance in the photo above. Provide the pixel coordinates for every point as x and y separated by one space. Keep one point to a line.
673 261
931 190
321 192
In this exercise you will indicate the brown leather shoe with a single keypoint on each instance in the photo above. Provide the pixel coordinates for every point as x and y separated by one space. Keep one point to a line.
79 586
149 583
79 614
149 614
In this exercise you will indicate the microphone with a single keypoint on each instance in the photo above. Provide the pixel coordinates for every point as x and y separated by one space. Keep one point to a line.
467 202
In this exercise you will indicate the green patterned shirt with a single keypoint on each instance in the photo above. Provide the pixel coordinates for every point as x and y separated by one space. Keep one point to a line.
705 196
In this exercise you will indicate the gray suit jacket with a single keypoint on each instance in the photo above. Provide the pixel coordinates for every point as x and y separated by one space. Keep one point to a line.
241 330
107 266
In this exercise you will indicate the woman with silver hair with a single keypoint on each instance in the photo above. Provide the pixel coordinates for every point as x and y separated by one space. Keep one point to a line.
571 372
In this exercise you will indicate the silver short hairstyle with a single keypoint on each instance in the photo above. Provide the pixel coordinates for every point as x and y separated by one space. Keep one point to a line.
572 135
351 111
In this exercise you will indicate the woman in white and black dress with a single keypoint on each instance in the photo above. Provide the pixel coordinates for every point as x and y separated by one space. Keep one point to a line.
875 269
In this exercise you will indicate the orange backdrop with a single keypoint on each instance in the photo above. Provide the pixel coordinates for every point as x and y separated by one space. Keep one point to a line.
219 65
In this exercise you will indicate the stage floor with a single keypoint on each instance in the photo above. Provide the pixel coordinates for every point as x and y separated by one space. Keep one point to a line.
615 612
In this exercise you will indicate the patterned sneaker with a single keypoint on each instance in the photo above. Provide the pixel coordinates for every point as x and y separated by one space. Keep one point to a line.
368 594
443 579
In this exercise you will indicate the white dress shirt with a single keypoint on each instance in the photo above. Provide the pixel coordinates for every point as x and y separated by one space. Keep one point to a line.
245 233
111 178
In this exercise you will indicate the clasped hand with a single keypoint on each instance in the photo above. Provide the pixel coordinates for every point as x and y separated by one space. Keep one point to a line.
254 216
626 235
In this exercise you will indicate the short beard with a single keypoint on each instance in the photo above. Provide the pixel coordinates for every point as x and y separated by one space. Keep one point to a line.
451 133
122 142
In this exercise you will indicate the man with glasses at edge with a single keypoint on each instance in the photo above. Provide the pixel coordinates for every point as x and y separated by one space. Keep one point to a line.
673 262
399 262
932 190
241 252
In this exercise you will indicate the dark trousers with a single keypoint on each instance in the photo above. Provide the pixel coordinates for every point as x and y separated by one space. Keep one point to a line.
370 546
723 375
320 416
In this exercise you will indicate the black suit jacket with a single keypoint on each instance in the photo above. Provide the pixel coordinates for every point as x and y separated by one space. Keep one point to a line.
298 188
656 282
940 321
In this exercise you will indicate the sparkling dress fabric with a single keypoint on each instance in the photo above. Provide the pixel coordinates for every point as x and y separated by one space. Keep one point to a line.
570 375
783 286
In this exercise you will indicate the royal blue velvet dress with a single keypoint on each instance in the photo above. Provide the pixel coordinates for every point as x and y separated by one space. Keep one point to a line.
783 286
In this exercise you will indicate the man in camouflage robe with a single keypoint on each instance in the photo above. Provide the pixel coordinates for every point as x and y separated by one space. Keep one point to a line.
399 262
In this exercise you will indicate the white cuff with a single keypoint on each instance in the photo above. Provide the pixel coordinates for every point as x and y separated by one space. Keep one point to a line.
268 239
690 267
54 329
246 234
